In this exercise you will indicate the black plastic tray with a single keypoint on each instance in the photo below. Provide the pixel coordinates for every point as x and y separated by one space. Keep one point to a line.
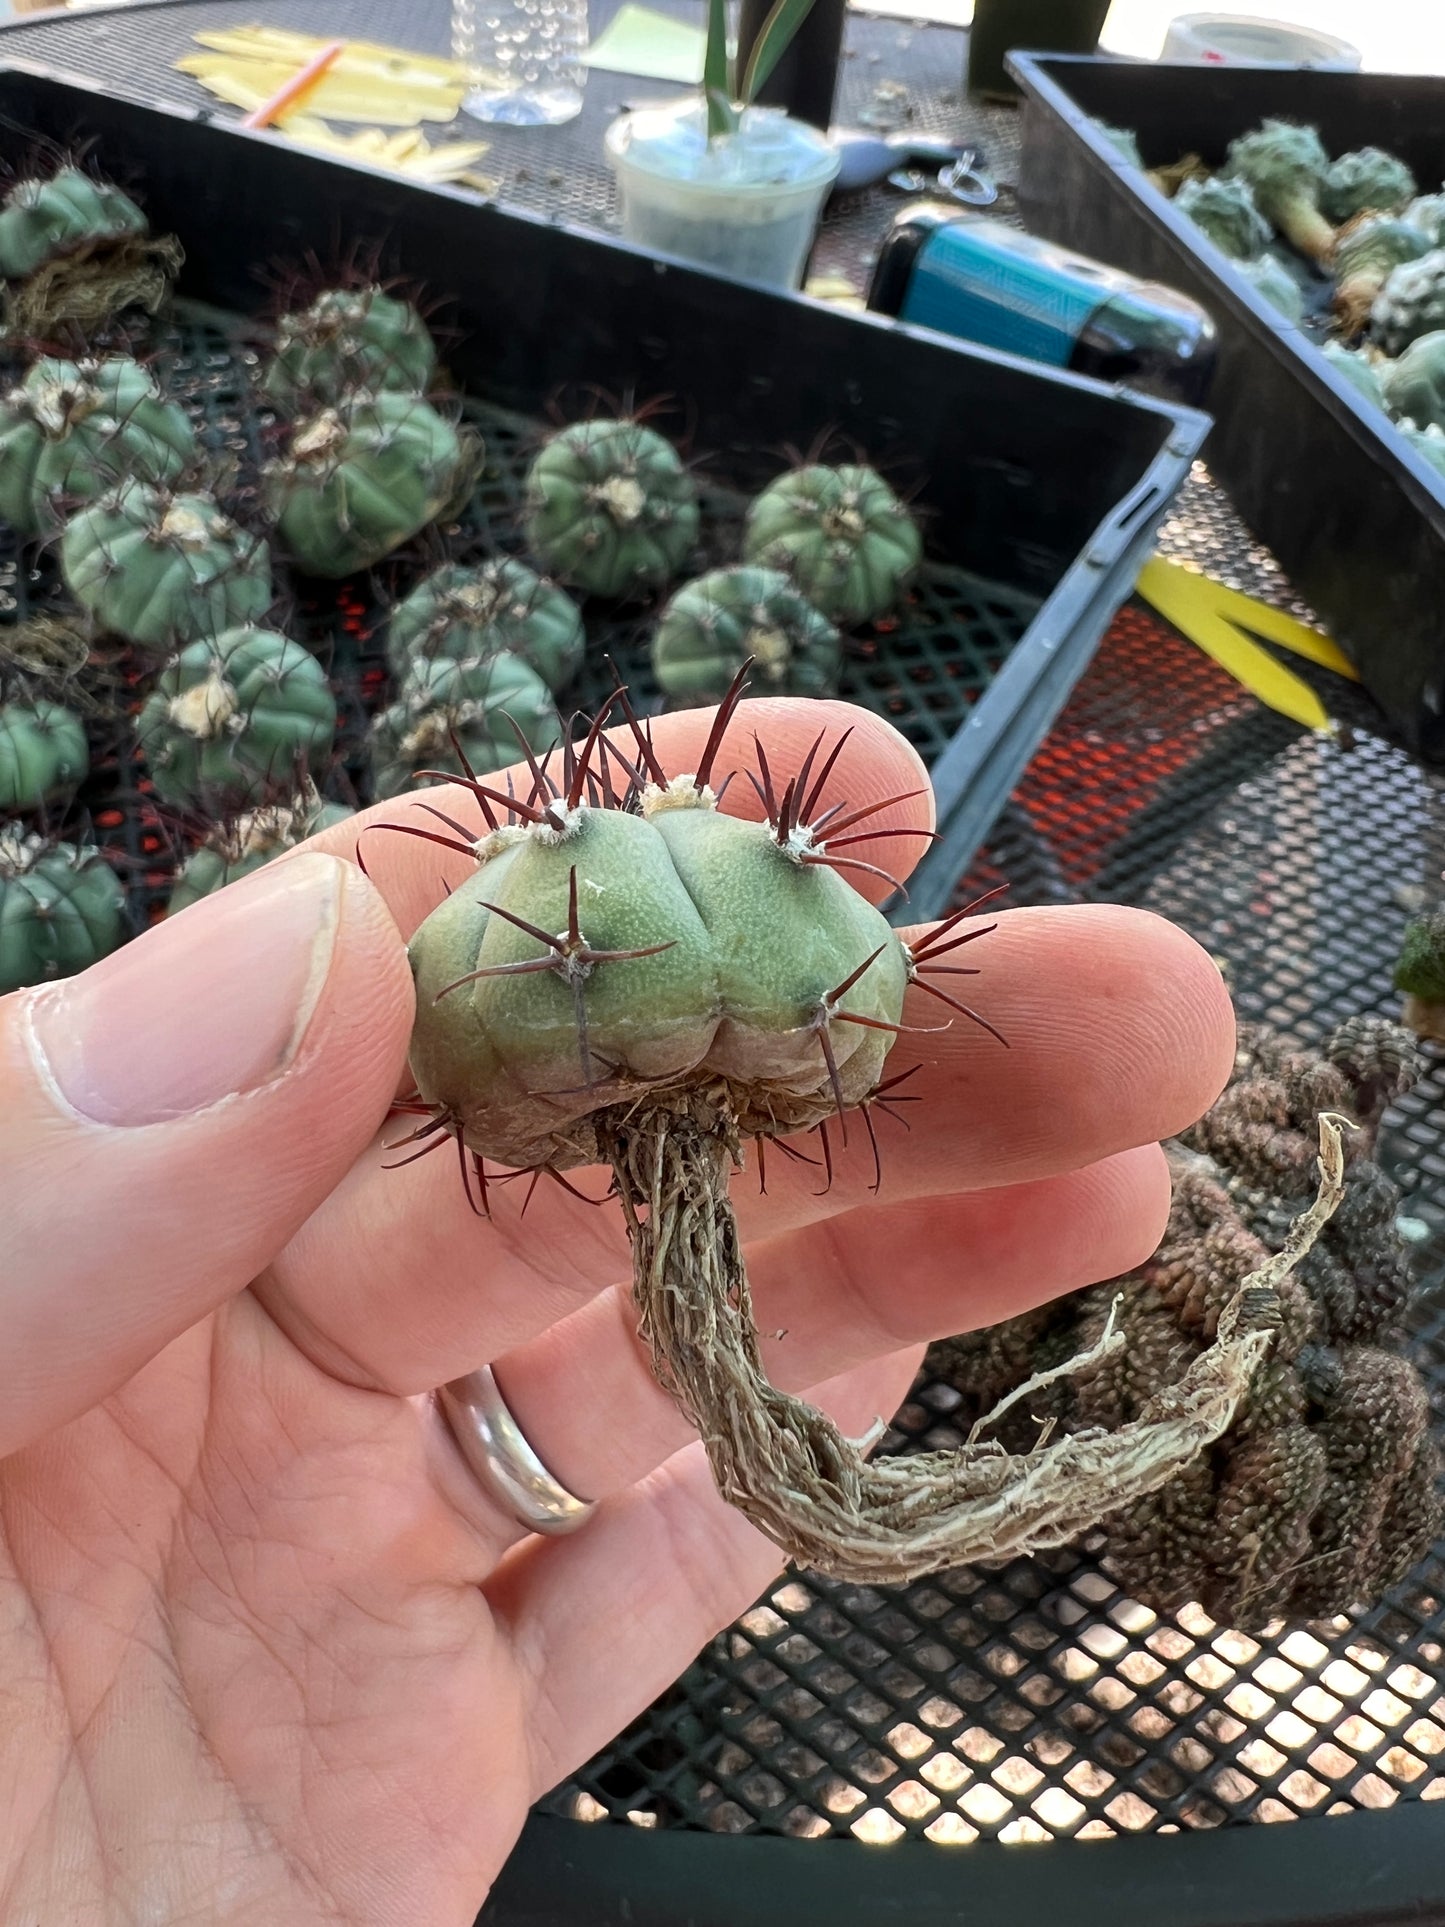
1039 492
1355 517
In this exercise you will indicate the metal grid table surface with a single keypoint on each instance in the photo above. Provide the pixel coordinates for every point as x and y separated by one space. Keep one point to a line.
1035 1701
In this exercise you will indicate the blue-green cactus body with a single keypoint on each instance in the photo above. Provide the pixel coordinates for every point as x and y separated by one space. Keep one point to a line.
72 430
250 841
1411 303
1358 370
1413 388
359 480
236 718
1286 167
732 616
164 570
1366 180
43 753
1224 209
61 910
489 704
349 340
841 535
499 606
611 509
1273 280
69 213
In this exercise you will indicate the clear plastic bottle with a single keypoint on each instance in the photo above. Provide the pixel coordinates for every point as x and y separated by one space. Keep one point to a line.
525 57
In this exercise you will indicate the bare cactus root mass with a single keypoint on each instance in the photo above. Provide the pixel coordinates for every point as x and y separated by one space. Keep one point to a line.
632 978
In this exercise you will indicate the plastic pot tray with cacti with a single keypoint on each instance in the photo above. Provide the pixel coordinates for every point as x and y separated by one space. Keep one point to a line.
1035 493
1313 434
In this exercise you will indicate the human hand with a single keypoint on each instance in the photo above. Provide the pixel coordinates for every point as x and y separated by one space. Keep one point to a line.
267 1654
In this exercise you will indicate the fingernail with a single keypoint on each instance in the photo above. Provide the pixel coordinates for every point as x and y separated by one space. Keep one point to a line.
209 1004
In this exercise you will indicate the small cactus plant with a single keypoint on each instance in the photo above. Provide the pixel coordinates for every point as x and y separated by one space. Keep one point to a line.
1420 972
1427 213
43 753
163 570
76 249
1366 251
1413 388
460 718
841 534
236 848
72 430
732 617
1368 179
1358 370
61 909
1224 210
1273 280
461 613
648 983
360 479
1411 303
1286 167
233 717
349 339
610 508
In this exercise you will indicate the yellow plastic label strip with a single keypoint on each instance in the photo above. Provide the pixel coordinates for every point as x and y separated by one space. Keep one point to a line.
1223 623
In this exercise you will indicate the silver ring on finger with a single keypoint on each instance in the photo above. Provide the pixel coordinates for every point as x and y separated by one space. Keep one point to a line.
501 1458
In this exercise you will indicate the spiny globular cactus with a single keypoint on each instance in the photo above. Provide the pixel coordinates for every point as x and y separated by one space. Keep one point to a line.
1321 1495
235 848
1411 303
610 508
75 249
349 340
639 980
461 718
1367 250
43 753
466 613
1368 179
74 429
731 618
841 534
1224 209
360 479
232 717
163 570
1286 166
61 909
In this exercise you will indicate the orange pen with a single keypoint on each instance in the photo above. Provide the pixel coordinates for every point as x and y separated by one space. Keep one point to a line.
299 84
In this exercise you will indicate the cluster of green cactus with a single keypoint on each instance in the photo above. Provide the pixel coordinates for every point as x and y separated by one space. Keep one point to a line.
61 909
75 249
348 341
730 617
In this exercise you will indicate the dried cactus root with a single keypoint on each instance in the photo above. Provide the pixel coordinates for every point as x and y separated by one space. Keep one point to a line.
790 1470
86 290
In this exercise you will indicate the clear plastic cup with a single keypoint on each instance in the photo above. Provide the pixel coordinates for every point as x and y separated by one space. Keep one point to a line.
525 58
747 204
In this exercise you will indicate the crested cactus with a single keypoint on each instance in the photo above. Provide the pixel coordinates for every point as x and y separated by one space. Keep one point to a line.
610 508
1366 251
456 716
235 717
72 430
360 479
1411 303
1273 280
1358 370
1413 388
235 848
842 536
43 753
730 617
1420 972
1427 213
648 983
164 570
1367 180
1286 168
502 605
61 909
349 340
1224 210
76 249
